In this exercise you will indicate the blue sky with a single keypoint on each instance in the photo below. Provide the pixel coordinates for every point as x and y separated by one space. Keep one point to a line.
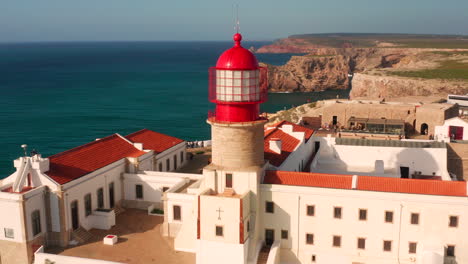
91 20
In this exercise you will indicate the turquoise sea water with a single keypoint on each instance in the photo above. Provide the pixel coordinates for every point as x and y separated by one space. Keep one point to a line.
55 96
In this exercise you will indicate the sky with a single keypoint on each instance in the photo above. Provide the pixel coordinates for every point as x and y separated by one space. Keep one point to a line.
107 20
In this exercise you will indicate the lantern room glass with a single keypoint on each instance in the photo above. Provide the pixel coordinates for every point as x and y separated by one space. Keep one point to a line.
237 85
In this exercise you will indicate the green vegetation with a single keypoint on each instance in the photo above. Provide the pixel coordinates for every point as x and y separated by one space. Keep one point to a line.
340 40
157 211
449 53
449 69
200 152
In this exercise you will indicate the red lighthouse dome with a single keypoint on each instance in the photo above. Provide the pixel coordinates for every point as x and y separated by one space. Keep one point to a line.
237 57
237 85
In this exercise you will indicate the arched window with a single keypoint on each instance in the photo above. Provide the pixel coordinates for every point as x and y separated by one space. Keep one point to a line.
160 166
182 157
175 162
168 165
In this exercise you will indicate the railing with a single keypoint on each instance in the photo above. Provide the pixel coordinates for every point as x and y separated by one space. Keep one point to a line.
212 117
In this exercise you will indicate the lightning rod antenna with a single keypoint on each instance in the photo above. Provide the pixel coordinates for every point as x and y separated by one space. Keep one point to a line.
237 19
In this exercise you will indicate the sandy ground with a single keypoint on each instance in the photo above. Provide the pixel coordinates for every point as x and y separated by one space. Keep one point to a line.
139 242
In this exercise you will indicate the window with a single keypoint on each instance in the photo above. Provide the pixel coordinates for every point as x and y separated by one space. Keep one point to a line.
314 258
139 191
414 218
164 189
388 217
111 195
337 241
311 210
361 243
88 205
219 231
310 239
387 245
412 247
362 214
168 165
284 234
228 180
175 162
160 166
176 212
337 212
100 197
182 157
269 207
248 226
9 232
450 251
453 221
36 222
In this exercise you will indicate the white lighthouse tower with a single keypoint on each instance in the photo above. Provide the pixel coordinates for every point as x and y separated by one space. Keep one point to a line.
227 213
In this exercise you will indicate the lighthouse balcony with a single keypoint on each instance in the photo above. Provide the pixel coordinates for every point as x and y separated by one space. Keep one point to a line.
213 117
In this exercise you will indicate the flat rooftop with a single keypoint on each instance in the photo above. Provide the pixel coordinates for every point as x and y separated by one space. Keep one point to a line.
140 241
389 143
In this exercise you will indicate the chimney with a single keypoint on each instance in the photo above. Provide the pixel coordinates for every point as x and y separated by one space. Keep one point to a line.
275 145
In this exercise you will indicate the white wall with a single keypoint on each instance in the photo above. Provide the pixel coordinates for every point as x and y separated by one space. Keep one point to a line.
169 154
348 159
77 189
33 203
152 186
212 252
10 205
290 213
297 160
442 132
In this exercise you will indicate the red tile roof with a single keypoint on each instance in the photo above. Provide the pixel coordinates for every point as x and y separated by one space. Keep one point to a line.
154 140
367 183
296 128
77 162
323 180
417 186
288 142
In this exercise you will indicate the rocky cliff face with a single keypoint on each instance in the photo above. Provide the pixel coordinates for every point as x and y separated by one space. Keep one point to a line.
310 73
379 87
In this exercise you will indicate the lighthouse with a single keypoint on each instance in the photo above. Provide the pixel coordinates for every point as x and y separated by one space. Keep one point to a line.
227 221
237 85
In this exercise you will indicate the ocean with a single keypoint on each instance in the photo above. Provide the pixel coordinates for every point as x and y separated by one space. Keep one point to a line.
55 96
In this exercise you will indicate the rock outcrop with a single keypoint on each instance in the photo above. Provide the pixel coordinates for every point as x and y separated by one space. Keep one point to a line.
379 87
310 73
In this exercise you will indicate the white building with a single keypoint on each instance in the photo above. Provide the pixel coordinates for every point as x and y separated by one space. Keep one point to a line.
48 201
253 203
455 128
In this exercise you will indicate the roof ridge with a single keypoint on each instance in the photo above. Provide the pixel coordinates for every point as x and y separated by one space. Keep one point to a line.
138 132
100 140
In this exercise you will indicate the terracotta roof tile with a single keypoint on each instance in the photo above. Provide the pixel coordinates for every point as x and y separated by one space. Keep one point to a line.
288 144
323 180
368 183
433 187
154 140
77 162
296 128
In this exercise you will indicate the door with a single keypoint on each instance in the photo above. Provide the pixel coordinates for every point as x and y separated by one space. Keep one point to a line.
111 195
404 172
335 120
269 236
456 132
74 215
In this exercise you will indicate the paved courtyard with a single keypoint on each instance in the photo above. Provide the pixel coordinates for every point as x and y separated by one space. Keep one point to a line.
139 242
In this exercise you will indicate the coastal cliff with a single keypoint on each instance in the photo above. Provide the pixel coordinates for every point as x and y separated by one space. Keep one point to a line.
310 73
377 72
375 87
